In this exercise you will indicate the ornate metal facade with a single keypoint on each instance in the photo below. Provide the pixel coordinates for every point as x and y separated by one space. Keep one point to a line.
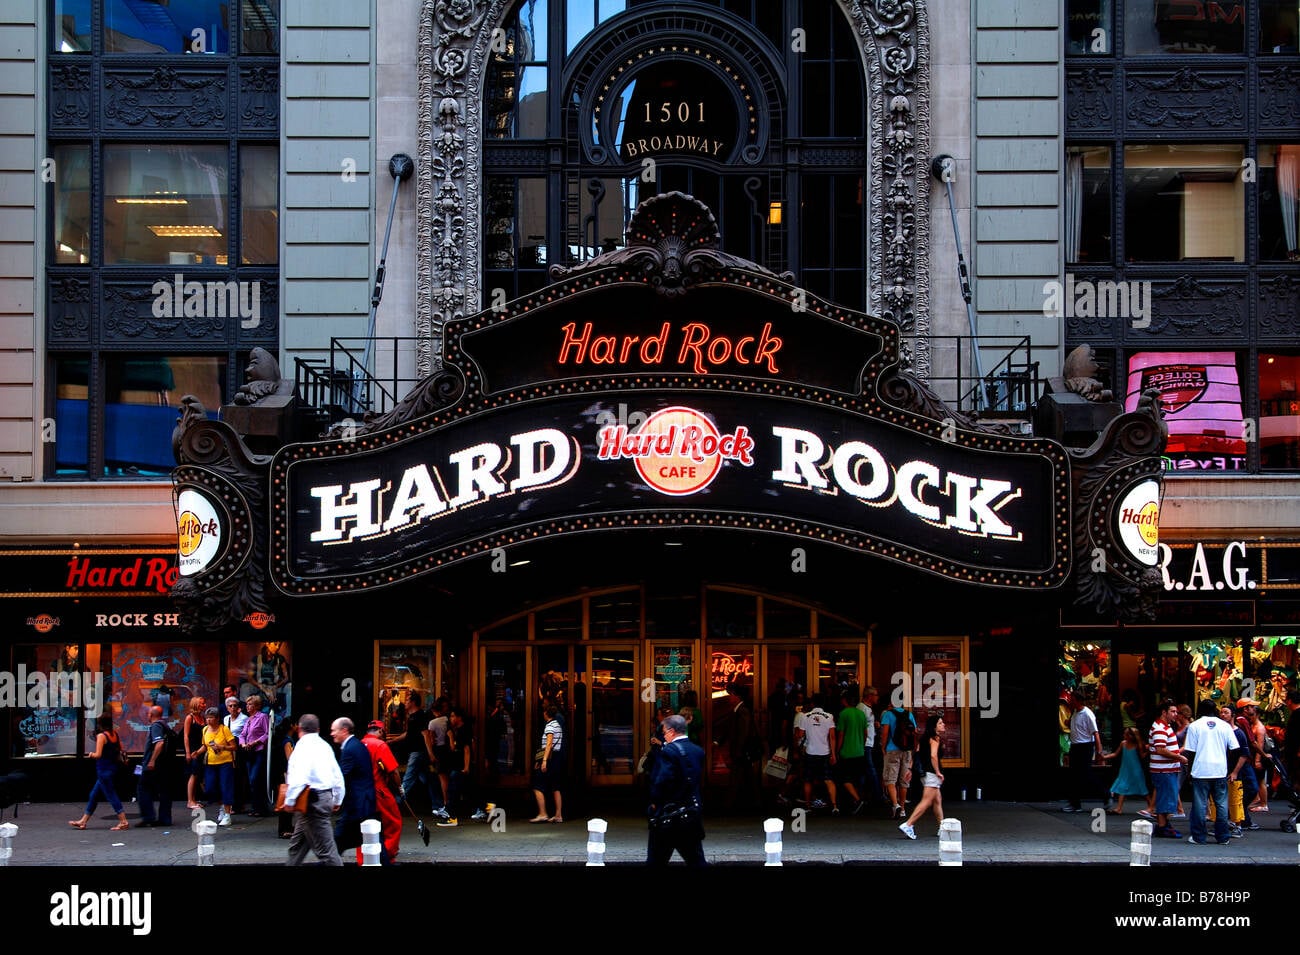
454 42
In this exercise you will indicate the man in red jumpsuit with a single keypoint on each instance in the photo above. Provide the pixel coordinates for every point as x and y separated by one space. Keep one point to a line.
388 784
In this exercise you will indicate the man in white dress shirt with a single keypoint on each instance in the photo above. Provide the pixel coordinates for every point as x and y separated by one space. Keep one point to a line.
313 766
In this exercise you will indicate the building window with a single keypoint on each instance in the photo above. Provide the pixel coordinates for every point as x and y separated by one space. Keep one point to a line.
259 203
1088 205
1279 412
1184 202
139 26
166 204
1279 202
71 26
1200 394
1089 28
719 130
140 394
1184 26
63 692
1278 20
71 195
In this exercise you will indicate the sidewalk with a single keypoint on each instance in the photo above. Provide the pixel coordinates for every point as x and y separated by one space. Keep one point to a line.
994 833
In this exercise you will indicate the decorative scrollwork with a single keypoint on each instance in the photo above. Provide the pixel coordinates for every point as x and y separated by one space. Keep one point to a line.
165 98
1115 587
673 241
439 390
903 389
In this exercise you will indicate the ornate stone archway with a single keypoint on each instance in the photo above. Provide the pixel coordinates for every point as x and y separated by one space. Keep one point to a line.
454 41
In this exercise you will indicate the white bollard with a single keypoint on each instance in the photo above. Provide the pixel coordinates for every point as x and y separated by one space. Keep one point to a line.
370 845
773 847
950 841
207 848
7 832
1140 842
596 829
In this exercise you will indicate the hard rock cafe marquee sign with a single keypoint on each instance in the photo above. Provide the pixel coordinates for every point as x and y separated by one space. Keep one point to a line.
668 385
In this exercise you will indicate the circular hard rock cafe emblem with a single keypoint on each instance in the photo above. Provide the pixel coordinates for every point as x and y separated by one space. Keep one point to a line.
678 450
1138 515
44 623
687 467
198 532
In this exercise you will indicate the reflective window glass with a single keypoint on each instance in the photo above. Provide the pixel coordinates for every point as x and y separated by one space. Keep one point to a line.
71 26
1279 411
165 204
1089 27
141 395
1088 200
1184 202
167 26
71 192
1279 202
259 199
260 26
1278 21
1184 26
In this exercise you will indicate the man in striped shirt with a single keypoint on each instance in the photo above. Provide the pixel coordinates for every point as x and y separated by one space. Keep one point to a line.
1166 761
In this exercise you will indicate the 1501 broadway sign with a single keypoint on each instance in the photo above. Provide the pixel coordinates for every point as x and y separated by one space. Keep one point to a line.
740 461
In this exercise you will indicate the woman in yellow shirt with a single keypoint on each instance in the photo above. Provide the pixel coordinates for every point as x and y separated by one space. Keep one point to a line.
220 744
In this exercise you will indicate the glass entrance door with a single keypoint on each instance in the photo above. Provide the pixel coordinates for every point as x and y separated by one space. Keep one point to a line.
615 743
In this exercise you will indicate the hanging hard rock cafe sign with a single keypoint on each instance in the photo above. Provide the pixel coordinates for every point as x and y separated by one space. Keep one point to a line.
668 385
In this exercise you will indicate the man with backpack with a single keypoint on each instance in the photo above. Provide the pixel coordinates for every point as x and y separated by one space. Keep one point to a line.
156 771
898 737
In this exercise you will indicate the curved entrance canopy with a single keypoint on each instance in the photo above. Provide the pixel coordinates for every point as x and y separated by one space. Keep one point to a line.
668 385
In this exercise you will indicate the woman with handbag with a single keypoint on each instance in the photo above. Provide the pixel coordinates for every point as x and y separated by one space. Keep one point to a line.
108 757
549 769
192 738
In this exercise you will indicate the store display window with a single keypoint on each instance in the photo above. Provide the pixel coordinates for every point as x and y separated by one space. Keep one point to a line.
1258 668
405 669
52 689
158 674
1083 671
262 667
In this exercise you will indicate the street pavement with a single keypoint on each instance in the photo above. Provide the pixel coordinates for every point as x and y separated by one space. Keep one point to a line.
993 833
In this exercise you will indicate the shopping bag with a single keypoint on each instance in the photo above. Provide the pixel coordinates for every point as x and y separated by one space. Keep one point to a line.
778 767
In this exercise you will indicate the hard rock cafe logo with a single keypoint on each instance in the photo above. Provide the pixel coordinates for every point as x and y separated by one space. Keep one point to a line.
259 620
191 529
1138 516
43 623
198 532
726 668
677 451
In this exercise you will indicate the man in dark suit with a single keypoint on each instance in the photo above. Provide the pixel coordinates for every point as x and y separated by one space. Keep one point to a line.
674 786
359 785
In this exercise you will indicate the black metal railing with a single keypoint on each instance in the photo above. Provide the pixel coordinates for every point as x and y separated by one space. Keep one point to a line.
1010 388
337 385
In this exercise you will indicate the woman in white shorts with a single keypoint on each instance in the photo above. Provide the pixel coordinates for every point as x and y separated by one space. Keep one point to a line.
927 756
